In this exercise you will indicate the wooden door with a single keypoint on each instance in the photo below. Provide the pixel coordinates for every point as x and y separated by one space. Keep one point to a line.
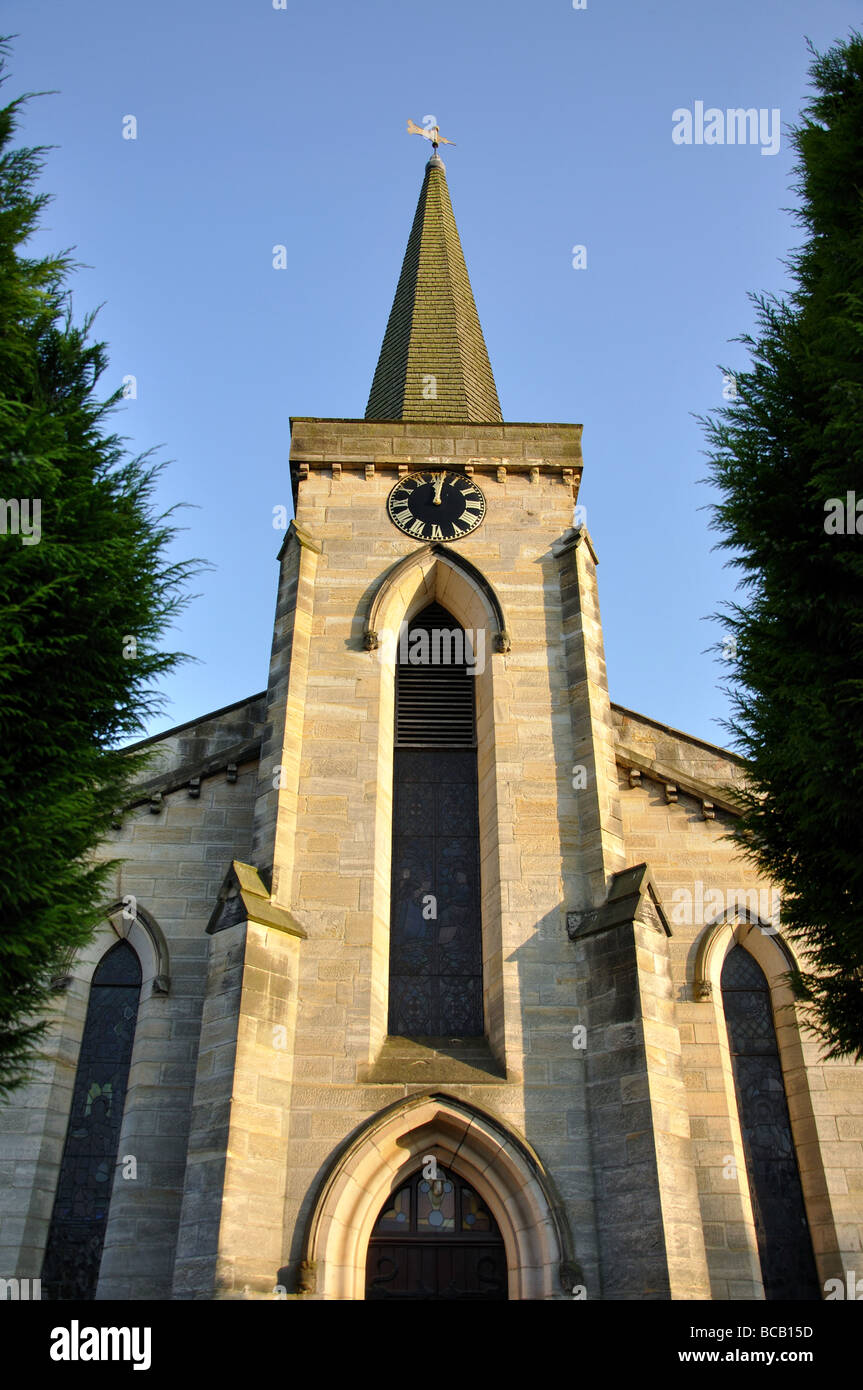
436 1239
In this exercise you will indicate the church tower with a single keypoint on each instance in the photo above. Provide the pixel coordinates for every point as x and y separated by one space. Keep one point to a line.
431 973
437 797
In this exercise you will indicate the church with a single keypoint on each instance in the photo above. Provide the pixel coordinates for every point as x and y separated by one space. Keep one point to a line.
429 972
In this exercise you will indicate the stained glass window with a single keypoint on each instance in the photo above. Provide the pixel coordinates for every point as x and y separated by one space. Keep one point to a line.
784 1245
435 930
474 1216
396 1214
435 1205
79 1219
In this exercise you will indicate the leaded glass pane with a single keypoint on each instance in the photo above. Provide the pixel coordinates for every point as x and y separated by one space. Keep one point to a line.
784 1246
750 1022
436 1205
396 1215
77 1232
474 1215
740 970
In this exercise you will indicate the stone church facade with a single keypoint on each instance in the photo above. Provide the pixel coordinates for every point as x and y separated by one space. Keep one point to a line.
417 989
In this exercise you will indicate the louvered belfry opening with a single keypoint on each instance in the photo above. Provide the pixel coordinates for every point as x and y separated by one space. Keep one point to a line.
435 925
434 688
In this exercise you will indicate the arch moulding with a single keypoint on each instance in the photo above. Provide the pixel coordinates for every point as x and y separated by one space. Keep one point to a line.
502 1169
740 927
143 934
419 559
146 936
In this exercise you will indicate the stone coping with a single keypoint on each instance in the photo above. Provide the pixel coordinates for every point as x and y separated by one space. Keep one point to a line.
673 780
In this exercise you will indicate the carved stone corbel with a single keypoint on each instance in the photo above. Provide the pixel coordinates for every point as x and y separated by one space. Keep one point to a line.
307 1278
571 1275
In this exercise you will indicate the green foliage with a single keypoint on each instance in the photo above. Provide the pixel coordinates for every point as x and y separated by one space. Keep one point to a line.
792 440
69 600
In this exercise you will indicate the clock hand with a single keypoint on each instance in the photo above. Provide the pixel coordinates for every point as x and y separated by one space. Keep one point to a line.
438 484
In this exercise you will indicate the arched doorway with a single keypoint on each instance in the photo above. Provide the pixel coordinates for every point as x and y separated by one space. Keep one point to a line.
390 1150
436 1239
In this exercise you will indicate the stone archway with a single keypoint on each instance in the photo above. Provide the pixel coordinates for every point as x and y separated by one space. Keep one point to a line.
432 563
144 934
503 1170
738 927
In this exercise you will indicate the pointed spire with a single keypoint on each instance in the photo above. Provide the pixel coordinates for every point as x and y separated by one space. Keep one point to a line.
434 363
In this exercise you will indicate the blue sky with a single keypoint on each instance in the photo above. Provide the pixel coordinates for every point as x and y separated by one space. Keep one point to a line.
259 126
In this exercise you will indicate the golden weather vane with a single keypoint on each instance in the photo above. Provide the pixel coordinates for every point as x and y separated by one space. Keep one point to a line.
431 133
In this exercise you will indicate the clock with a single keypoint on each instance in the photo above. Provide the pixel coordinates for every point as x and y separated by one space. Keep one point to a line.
436 506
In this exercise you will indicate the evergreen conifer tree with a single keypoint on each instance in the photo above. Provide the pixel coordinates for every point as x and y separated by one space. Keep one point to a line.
787 457
86 592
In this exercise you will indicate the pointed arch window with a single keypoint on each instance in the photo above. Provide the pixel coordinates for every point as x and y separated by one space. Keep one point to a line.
80 1216
784 1245
435 986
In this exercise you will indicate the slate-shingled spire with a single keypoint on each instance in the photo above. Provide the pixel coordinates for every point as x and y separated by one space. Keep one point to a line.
434 340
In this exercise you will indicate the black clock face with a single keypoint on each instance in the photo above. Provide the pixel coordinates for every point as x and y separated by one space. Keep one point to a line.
436 506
